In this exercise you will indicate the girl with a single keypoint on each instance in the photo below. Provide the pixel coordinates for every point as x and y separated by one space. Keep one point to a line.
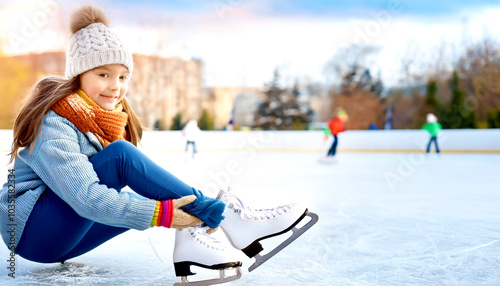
75 149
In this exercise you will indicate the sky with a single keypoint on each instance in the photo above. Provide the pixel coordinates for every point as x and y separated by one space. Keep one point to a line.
242 42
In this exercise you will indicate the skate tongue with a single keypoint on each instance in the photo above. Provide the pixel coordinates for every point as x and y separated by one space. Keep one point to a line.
223 193
220 194
227 198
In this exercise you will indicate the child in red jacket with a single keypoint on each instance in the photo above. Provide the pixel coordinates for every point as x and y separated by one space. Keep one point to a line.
336 125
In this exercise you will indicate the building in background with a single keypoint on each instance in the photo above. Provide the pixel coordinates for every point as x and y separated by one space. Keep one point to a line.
162 88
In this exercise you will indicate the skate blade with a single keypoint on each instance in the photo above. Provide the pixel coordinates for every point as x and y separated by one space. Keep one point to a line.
222 279
296 233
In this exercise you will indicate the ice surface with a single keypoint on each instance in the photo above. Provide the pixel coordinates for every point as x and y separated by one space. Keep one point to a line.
385 219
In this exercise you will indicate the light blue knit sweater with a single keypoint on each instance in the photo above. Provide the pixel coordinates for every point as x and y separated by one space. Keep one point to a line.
59 161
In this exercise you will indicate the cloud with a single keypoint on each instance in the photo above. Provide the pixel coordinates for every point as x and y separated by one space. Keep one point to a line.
243 41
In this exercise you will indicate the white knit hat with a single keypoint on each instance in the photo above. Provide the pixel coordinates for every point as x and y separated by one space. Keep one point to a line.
431 118
93 44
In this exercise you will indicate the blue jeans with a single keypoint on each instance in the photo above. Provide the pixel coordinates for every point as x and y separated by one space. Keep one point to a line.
54 232
333 149
191 143
433 139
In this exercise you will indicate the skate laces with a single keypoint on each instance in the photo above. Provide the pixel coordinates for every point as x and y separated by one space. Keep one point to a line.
200 235
249 213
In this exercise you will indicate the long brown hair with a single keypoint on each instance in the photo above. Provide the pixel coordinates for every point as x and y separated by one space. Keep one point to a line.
40 99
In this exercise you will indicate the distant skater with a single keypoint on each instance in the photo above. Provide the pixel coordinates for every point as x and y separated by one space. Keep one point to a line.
191 132
433 127
335 126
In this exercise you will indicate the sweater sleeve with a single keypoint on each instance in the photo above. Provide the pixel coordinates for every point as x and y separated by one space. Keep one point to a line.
58 161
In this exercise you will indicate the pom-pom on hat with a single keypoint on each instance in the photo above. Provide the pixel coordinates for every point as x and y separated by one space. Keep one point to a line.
431 118
93 44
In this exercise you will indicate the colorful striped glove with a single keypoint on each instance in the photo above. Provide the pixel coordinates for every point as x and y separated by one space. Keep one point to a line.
168 214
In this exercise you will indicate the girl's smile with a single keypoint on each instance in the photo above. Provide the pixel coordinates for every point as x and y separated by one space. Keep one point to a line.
105 85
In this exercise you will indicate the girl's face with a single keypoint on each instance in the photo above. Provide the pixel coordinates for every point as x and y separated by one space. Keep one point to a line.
105 85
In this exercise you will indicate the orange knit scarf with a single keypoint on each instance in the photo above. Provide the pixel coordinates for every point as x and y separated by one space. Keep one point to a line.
88 116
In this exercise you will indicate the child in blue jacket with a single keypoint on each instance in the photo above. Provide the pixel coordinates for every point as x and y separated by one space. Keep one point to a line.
75 149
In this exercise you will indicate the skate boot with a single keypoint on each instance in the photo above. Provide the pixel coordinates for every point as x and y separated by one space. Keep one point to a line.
194 246
246 226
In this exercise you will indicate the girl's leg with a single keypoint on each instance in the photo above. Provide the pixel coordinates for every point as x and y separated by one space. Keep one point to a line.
54 232
122 164
95 236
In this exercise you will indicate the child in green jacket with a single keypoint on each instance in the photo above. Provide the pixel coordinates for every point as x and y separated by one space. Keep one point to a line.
433 127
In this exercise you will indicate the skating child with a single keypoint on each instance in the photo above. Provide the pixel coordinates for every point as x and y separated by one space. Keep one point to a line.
335 126
74 150
191 132
433 127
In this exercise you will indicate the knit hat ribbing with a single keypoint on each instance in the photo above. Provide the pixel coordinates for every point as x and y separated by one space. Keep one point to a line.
93 44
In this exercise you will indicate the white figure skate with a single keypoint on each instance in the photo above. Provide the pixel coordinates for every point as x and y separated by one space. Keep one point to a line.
194 246
245 226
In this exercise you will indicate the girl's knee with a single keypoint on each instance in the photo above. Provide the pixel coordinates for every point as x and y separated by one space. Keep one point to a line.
119 146
117 149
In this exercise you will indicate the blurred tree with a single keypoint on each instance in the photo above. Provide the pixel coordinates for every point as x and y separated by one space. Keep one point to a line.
358 79
354 88
159 125
431 104
458 114
349 69
431 100
493 119
177 122
282 109
479 70
206 121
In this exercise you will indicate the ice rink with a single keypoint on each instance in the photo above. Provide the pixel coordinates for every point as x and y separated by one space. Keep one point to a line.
385 219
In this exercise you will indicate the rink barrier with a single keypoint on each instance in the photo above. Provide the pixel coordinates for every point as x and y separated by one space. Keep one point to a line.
386 141
324 150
